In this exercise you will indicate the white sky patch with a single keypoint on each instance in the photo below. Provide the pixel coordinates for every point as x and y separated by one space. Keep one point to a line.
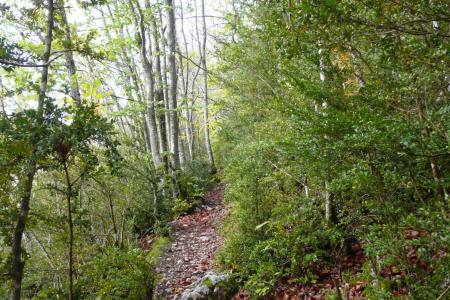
87 20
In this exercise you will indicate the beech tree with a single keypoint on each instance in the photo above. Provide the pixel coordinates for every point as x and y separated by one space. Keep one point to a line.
27 179
205 90
70 63
172 96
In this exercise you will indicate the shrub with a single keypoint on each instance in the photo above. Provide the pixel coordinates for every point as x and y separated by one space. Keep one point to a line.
117 274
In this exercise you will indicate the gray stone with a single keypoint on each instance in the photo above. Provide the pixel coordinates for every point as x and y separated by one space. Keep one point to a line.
204 287
204 238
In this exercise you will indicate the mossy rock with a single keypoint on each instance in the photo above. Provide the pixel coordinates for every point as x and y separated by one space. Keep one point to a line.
211 287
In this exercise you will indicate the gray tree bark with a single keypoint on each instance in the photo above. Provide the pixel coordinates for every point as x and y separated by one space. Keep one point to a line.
131 83
165 80
171 36
70 62
148 73
26 183
188 127
328 195
159 100
205 94
182 153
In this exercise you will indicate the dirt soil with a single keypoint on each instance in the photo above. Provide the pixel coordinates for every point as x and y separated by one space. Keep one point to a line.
195 239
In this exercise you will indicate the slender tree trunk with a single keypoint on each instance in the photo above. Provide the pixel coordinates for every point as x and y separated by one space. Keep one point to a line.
165 81
182 153
328 209
180 121
328 196
162 129
2 103
357 68
129 78
433 162
187 128
147 143
17 265
70 223
75 94
148 73
171 34
70 62
190 132
113 219
159 93
205 94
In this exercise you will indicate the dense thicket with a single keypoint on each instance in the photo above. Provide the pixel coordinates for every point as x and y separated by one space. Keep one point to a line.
335 133
102 143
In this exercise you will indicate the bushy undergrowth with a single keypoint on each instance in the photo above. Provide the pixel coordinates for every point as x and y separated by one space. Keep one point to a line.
153 205
111 212
194 180
274 232
117 274
334 133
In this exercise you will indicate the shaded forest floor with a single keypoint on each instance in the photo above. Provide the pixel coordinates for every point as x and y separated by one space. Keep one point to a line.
195 239
328 281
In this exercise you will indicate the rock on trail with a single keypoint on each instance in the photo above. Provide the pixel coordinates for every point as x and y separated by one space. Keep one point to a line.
195 241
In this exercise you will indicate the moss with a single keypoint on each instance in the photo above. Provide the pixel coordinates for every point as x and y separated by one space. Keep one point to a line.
208 283
225 289
158 247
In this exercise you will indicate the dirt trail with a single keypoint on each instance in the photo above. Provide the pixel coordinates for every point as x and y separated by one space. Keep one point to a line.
195 240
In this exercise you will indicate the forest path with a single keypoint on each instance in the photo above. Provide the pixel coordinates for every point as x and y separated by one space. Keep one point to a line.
195 240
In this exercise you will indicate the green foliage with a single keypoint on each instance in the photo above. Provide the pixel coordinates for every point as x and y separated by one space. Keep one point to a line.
339 100
181 206
117 274
158 246
152 207
65 143
371 133
12 52
419 264
194 179
264 242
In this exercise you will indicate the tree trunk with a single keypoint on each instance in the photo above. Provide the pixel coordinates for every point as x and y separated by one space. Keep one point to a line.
205 94
328 196
70 223
185 81
17 265
2 103
148 73
130 79
165 82
171 34
159 100
442 192
70 63
113 218
182 153
328 208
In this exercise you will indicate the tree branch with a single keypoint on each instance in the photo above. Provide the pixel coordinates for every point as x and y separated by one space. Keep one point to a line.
17 64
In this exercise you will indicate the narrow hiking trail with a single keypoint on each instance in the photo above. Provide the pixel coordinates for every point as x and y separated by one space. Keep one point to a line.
195 240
